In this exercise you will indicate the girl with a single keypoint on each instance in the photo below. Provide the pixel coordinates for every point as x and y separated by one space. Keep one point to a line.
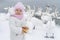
17 22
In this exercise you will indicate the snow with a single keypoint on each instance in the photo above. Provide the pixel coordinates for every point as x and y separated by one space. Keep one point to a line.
5 31
4 28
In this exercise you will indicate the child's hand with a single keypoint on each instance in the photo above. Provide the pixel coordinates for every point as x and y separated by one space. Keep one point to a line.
25 29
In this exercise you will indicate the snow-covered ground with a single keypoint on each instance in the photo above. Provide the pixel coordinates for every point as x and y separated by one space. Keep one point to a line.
5 30
57 33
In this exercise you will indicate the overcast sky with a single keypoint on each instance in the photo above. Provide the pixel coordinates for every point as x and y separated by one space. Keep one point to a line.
36 3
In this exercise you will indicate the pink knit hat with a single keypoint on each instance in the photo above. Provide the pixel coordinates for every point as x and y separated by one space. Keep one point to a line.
19 5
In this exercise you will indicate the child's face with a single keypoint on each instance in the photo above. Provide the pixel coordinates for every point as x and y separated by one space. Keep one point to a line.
18 11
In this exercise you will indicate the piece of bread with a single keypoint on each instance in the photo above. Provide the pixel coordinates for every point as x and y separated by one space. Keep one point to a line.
25 29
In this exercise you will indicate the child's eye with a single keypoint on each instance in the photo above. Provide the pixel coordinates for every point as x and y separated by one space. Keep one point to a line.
16 10
20 10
